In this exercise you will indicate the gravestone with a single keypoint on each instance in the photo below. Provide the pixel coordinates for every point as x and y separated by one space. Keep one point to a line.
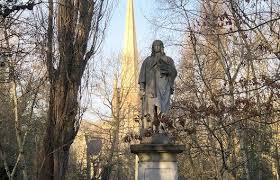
94 146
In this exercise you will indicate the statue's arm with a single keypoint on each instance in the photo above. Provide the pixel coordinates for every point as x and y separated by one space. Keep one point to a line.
142 79
142 76
172 69
173 74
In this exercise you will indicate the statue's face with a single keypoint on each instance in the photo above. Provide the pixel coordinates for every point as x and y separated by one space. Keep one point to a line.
157 46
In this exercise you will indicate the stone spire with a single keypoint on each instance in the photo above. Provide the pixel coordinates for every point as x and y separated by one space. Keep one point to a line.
128 89
130 53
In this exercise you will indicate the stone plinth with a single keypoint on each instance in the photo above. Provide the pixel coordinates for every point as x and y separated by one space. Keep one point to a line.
157 161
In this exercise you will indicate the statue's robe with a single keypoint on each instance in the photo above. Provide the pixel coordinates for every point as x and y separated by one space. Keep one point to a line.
157 79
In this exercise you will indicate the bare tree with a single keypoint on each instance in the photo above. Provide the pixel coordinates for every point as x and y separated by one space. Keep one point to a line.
80 29
226 96
19 96
117 117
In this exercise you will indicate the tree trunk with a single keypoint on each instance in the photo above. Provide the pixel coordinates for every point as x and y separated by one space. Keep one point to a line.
61 129
75 20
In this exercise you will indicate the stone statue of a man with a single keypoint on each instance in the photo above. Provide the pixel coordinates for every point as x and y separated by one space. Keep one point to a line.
156 80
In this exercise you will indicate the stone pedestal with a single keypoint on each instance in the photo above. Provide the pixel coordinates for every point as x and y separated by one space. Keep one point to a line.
157 161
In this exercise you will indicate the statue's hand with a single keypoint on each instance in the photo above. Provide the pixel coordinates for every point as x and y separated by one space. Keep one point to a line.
164 69
164 58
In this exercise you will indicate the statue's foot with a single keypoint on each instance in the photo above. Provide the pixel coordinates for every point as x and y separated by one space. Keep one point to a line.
161 138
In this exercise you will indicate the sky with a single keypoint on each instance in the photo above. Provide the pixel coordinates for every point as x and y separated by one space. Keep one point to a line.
144 12
115 35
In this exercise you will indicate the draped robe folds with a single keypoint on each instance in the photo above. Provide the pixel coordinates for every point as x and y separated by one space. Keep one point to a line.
156 78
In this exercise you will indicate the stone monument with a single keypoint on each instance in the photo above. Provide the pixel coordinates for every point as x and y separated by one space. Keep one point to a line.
156 152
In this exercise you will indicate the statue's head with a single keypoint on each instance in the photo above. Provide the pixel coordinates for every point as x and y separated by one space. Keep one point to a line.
157 47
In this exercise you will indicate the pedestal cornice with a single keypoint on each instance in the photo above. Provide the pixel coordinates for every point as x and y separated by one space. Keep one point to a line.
157 152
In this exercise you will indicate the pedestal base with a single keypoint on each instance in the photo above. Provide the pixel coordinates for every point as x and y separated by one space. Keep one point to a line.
157 161
157 171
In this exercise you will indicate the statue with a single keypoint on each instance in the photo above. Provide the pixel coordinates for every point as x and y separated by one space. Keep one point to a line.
156 80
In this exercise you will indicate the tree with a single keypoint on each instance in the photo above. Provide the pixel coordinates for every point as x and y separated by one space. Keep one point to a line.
115 120
20 96
80 29
231 111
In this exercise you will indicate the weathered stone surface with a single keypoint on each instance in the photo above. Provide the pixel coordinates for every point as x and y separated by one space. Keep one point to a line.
157 161
158 171
156 81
